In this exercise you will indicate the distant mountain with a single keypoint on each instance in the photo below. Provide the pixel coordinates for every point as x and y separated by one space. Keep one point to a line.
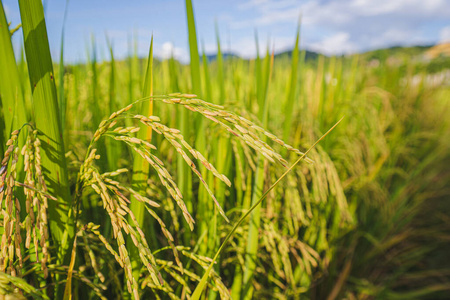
439 54
375 54
384 52
213 57
309 55
431 59
395 51
438 50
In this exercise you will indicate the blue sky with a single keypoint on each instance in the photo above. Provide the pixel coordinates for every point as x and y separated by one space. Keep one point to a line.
328 26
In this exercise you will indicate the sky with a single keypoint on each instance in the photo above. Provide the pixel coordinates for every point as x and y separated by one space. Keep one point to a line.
332 27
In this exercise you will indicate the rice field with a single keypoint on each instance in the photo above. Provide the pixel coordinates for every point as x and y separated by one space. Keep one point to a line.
279 177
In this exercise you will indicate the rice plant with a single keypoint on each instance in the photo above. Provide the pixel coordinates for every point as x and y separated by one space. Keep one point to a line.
172 181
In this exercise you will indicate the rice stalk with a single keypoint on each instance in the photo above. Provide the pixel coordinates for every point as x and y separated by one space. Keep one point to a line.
253 232
140 165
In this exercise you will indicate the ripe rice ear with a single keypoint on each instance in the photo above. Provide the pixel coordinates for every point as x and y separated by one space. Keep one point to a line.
202 284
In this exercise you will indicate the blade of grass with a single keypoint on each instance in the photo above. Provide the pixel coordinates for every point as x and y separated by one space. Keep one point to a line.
62 99
184 174
97 114
112 78
291 89
10 89
255 218
141 167
12 100
259 74
193 50
48 122
220 70
130 70
112 151
205 209
207 76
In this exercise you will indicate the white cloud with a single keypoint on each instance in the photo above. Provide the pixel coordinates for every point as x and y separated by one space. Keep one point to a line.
380 7
444 35
338 43
288 11
167 50
268 17
337 12
245 47
394 36
269 12
267 5
373 8
313 13
343 26
210 48
252 3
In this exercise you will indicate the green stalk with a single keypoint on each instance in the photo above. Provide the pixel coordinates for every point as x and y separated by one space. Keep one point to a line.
238 272
291 89
174 84
220 70
112 78
12 100
259 177
24 84
207 77
141 167
255 218
48 121
259 76
137 62
184 174
320 88
223 159
62 99
113 153
205 208
130 70
193 50
97 114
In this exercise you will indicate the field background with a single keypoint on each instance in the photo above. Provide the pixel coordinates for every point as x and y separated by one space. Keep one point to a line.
368 218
